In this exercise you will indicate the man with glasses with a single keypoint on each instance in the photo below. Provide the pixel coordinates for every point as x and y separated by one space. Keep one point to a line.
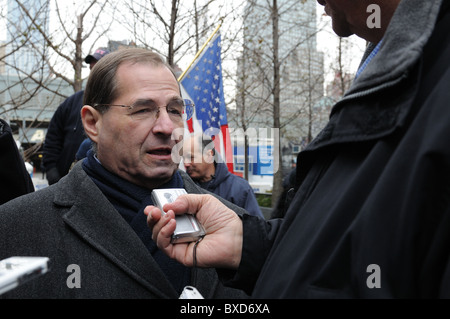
93 218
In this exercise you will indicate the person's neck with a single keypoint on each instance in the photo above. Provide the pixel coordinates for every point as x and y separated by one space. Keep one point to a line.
375 35
209 174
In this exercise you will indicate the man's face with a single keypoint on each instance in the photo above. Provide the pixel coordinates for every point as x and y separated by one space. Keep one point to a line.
134 146
348 16
199 166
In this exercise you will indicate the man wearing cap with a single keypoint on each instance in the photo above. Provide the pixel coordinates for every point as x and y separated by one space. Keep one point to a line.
65 132
92 59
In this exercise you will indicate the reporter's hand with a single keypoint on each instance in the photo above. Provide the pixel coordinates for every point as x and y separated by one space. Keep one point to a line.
222 245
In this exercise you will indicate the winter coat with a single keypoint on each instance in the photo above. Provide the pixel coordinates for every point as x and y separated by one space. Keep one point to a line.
74 224
15 180
371 215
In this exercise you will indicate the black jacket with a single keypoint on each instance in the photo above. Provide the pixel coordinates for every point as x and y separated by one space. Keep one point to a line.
15 180
371 215
64 136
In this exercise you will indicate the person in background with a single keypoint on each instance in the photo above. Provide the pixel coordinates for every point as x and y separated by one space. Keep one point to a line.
65 132
15 180
204 166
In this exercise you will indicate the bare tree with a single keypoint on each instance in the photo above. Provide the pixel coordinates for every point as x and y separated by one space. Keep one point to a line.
176 29
158 26
340 67
281 77
278 175
80 30
43 54
62 46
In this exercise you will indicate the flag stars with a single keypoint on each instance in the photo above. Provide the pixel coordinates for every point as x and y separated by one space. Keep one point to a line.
204 84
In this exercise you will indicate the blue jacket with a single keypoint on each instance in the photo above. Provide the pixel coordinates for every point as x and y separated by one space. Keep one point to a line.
234 189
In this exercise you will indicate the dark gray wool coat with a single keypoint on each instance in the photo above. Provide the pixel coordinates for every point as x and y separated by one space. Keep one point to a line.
73 223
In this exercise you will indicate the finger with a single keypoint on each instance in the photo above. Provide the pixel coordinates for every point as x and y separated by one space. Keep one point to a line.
153 215
164 236
156 222
148 209
190 203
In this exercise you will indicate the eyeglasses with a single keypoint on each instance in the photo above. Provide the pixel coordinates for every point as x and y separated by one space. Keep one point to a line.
148 109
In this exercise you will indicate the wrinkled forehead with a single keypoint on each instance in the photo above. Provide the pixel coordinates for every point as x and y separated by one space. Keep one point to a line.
147 68
145 76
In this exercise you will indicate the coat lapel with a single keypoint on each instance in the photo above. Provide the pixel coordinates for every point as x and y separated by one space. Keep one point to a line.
96 221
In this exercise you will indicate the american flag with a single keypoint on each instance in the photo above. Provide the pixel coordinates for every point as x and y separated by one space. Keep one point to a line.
203 85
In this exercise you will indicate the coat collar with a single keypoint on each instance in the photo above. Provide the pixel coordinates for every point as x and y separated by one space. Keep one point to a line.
373 107
406 36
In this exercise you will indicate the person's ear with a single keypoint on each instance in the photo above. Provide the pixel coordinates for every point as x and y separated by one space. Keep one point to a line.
91 119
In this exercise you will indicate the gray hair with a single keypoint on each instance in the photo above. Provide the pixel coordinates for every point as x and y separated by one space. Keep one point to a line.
102 86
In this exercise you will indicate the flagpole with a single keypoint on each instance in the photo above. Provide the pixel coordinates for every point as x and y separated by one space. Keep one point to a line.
200 52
